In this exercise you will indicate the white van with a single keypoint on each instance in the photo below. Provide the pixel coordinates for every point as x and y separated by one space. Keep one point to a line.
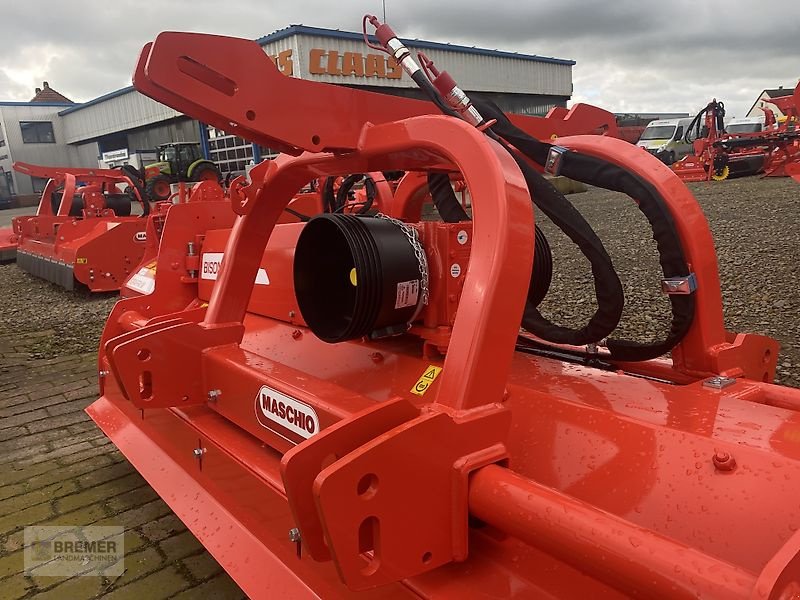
745 125
664 139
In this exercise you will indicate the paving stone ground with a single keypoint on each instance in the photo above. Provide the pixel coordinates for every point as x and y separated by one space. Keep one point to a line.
57 468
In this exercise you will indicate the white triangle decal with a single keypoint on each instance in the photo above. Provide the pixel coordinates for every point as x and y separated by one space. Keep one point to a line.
261 277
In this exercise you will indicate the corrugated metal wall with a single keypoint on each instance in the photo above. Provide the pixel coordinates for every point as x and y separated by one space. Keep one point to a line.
126 111
5 151
473 72
85 155
48 154
178 130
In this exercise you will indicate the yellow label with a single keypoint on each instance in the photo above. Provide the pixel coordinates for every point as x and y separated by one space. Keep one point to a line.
81 261
424 382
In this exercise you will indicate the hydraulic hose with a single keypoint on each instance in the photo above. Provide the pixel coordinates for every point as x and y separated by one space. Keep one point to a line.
598 172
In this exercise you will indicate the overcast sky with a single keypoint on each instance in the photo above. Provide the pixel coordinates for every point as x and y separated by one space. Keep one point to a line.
632 55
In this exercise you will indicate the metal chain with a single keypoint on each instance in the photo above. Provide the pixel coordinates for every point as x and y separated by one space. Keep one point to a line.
419 252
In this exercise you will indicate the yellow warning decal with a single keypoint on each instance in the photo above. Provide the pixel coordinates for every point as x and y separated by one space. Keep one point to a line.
81 261
424 382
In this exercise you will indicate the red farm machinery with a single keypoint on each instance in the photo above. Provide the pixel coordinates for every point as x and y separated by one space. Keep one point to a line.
83 229
8 244
385 413
773 152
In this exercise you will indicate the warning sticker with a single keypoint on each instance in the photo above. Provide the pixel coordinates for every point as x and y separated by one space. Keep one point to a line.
81 261
424 382
144 281
407 293
455 270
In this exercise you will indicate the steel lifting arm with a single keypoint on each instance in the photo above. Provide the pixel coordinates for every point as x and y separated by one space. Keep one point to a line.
232 84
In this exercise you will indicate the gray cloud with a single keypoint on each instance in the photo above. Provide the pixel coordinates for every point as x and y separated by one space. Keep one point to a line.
631 55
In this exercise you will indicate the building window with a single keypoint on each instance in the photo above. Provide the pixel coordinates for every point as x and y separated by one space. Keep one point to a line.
37 132
3 156
2 143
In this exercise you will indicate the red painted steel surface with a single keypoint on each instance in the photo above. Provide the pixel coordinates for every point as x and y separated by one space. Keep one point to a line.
8 244
510 475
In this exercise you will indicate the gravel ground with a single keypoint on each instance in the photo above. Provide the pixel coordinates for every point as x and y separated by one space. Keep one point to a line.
755 223
73 320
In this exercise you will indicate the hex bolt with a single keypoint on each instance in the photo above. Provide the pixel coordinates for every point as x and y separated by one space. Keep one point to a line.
198 452
102 374
294 536
191 252
723 461
213 395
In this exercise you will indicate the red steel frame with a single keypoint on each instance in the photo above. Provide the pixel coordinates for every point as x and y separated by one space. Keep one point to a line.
579 482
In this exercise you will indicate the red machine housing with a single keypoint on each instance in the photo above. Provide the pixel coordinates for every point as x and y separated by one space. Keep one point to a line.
81 238
443 463
8 244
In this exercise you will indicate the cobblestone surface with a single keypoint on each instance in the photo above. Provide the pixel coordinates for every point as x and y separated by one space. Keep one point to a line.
57 467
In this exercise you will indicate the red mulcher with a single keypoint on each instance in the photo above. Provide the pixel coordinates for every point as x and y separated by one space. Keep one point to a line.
386 414
83 229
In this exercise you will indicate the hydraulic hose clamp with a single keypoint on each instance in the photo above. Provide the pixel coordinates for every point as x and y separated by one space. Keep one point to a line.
554 159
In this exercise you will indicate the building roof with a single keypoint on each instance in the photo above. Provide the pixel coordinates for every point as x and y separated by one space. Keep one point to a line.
352 35
48 94
97 100
40 104
779 93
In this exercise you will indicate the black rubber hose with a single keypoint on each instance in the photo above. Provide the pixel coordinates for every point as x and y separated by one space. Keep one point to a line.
444 199
451 211
694 124
347 186
328 195
598 172
608 288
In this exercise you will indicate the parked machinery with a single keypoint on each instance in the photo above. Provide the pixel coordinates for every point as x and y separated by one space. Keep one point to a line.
179 161
371 415
83 229
718 154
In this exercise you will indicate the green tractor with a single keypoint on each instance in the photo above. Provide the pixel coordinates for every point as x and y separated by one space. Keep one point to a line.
178 161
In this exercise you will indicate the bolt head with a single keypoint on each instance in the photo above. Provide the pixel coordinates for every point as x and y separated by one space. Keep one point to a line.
198 452
294 534
723 461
